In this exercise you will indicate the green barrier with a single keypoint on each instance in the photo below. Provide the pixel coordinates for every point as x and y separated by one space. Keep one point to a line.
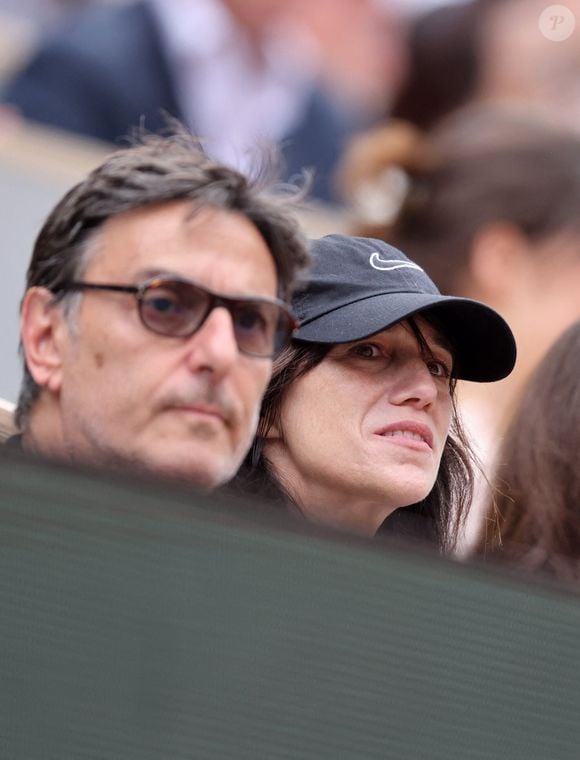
144 623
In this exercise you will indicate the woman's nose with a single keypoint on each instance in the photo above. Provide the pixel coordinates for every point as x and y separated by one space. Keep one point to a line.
414 383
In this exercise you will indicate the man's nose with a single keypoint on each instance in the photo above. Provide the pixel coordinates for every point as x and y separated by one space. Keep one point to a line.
213 348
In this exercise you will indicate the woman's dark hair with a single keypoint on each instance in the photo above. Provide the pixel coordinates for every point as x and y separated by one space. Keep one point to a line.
446 62
438 518
482 166
535 516
443 64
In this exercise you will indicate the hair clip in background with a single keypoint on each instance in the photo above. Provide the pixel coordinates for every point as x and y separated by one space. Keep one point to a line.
379 200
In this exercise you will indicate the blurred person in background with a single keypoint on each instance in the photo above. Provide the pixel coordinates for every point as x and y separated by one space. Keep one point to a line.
43 13
238 72
488 204
488 51
359 49
534 521
358 427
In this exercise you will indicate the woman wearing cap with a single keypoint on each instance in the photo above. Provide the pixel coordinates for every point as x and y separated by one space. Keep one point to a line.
488 205
359 419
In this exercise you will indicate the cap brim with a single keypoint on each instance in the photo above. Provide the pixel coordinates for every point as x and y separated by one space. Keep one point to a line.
483 345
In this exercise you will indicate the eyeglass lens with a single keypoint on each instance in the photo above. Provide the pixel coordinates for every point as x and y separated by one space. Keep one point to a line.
179 308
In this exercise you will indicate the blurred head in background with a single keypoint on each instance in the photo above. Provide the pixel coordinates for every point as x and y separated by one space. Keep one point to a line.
358 47
490 51
534 520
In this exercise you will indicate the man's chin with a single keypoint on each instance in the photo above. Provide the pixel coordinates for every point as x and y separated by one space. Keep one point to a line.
203 473
201 467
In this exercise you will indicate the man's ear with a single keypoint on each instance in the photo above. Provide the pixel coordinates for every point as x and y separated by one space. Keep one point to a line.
42 332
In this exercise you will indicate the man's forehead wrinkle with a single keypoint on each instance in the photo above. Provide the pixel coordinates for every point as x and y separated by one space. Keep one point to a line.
149 272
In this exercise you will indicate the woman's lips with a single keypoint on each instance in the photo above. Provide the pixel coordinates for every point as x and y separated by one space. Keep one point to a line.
408 432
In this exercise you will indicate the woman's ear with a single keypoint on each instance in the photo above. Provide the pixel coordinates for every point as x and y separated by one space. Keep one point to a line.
42 331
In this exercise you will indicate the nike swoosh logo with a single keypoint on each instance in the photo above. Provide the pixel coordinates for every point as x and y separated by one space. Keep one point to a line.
386 266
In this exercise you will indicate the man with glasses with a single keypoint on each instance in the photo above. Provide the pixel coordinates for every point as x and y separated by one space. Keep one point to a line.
156 299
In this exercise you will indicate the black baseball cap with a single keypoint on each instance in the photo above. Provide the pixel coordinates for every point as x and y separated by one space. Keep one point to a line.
359 286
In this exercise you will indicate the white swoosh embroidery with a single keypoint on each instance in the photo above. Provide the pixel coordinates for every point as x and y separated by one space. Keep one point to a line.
386 266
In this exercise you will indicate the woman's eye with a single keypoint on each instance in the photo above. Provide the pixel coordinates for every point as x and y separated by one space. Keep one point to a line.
366 350
439 369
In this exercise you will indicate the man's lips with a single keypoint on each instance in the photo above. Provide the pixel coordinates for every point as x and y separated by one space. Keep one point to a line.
408 432
204 411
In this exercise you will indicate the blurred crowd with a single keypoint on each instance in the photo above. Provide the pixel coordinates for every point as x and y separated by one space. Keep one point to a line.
448 130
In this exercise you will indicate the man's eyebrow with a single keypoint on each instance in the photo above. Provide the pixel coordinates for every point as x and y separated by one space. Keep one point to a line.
148 274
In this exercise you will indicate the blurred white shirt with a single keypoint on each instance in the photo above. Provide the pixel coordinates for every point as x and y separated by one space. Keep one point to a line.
233 103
